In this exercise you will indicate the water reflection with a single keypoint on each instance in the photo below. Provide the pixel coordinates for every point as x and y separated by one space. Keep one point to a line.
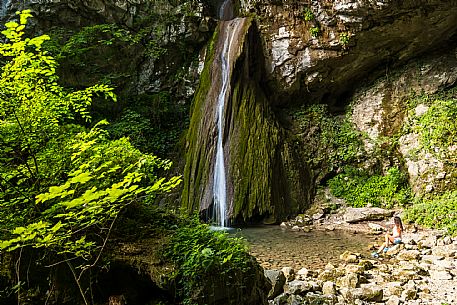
275 247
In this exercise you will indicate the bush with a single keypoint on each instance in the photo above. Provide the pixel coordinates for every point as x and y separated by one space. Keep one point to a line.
200 253
359 188
438 213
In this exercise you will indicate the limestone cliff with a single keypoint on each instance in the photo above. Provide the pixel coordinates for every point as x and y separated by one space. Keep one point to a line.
321 50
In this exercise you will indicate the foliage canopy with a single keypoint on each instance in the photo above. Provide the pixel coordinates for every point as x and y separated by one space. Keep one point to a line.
62 185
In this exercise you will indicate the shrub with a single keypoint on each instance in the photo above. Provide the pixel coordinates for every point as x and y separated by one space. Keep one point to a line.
359 188
199 253
438 213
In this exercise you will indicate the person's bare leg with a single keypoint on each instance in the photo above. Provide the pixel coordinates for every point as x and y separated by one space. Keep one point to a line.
381 248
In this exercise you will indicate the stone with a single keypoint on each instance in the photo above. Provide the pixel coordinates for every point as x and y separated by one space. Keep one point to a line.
350 280
375 227
409 294
394 288
349 257
295 300
354 215
395 249
440 275
295 228
446 251
328 288
318 216
369 294
428 242
299 287
283 225
366 264
408 255
354 269
277 280
306 273
317 298
393 300
327 275
289 273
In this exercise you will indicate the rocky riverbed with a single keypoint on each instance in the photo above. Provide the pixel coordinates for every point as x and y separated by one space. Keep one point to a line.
421 270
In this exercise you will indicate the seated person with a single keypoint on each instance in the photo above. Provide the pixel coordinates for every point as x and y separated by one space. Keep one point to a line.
391 239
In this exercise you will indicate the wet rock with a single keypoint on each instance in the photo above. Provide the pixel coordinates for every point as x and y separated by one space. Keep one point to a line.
353 215
277 280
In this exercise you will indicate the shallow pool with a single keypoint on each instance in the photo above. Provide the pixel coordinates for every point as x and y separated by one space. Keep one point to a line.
275 247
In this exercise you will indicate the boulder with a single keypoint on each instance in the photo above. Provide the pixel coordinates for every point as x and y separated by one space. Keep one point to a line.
447 250
368 294
349 257
393 300
353 215
289 273
440 275
354 269
407 255
375 227
366 264
306 273
328 288
277 280
395 249
394 289
299 287
350 280
409 294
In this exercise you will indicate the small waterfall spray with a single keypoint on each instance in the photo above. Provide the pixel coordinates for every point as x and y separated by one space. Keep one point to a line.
4 7
220 183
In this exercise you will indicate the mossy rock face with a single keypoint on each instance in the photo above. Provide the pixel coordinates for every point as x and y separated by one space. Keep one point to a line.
265 180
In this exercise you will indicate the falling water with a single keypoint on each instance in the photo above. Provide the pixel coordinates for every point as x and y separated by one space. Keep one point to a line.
4 7
220 185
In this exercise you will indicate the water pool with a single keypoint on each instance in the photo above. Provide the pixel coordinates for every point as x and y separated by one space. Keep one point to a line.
275 247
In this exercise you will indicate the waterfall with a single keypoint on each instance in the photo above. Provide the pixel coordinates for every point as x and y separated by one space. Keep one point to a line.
4 7
228 29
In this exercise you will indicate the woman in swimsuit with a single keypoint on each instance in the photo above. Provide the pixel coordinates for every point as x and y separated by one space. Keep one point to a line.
391 239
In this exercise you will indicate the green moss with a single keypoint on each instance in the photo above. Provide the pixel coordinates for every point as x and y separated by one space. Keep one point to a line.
265 178
197 166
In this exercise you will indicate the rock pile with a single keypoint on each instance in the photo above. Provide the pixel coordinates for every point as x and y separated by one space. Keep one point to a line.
422 270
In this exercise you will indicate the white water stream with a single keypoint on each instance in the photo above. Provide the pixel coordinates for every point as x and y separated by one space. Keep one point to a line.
4 7
228 30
